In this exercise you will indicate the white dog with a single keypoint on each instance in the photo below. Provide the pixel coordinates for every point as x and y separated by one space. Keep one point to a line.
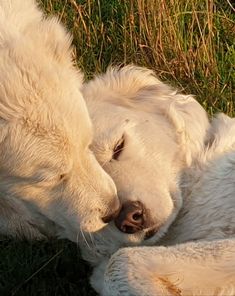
175 176
51 184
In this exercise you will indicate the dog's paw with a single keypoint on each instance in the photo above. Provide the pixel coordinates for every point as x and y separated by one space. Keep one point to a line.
135 272
115 276
125 275
110 279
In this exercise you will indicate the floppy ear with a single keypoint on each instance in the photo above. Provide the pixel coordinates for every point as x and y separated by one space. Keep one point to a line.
187 116
191 123
138 88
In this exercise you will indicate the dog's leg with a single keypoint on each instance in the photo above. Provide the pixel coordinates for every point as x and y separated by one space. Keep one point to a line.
201 268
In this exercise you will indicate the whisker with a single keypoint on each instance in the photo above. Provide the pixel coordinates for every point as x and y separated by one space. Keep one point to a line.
92 239
85 240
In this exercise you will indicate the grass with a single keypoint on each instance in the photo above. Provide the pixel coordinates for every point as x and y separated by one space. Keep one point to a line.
42 269
189 43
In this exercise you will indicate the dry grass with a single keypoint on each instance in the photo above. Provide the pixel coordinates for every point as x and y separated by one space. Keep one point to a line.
190 43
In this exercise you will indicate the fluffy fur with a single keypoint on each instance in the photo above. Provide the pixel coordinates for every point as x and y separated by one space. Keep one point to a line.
182 169
50 182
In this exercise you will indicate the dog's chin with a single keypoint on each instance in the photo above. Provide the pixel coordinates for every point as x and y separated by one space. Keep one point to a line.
149 233
104 243
133 239
155 231
147 236
154 234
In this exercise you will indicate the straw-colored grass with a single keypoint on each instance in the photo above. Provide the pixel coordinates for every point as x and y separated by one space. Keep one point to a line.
189 43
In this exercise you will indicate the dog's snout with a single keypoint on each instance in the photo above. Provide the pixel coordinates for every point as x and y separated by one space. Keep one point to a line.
131 218
115 209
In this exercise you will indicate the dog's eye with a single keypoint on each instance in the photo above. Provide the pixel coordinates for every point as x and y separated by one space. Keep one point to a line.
118 149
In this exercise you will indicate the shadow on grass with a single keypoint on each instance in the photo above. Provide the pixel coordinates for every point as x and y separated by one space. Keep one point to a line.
43 268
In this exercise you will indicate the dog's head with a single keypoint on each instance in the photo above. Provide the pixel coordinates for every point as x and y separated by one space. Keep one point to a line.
145 135
50 181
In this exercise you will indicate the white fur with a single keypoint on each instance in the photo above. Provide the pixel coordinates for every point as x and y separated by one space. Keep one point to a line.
182 169
50 182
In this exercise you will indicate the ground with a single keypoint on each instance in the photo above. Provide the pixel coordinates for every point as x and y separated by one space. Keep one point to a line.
190 44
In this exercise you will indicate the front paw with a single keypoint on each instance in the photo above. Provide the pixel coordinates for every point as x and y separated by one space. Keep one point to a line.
123 274
136 272
115 276
109 278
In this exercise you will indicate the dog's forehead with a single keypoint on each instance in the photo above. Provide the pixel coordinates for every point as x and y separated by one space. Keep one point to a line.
120 117
103 112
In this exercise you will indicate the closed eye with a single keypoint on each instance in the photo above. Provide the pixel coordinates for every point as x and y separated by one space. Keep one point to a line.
118 148
47 177
62 177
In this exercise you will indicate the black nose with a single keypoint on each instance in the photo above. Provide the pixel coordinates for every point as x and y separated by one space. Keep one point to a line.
131 218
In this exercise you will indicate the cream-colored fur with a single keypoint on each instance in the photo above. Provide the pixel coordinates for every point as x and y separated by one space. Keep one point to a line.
50 182
183 170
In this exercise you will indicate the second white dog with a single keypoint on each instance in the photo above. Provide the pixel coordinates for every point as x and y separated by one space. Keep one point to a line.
175 176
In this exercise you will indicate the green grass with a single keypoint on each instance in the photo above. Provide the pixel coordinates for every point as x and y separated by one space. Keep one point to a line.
189 43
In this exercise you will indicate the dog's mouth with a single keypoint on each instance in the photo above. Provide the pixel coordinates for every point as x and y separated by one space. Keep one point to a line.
150 232
112 215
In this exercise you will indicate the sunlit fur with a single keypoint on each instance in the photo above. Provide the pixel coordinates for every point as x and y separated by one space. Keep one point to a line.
50 182
163 131
182 169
